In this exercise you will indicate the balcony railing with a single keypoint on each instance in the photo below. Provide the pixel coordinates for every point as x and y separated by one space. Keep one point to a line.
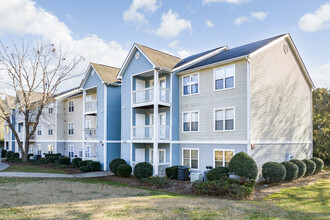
90 106
146 132
90 133
147 95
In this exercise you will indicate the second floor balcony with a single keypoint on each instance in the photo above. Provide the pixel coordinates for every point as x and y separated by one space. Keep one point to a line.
146 96
90 134
147 132
91 107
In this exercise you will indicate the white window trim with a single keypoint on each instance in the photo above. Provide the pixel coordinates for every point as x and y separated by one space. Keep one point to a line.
159 79
39 148
151 153
71 146
39 129
224 161
190 121
190 157
90 147
52 148
69 128
217 90
224 114
190 85
69 105
52 129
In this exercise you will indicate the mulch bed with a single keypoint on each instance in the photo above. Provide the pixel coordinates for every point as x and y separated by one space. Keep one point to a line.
68 170
185 187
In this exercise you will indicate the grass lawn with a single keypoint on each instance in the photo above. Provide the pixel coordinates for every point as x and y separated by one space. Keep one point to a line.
99 199
31 168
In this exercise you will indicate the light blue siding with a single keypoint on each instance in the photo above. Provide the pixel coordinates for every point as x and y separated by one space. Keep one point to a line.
113 152
175 108
113 112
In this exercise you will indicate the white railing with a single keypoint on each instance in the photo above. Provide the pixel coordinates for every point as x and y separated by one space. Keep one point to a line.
90 133
164 132
143 132
91 106
147 95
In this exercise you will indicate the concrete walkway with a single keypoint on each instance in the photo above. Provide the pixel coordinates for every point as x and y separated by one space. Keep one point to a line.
55 175
3 166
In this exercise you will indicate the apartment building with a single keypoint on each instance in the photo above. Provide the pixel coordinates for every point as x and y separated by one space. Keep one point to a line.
198 111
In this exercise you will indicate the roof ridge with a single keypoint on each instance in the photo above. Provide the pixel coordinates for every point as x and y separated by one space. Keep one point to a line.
158 51
104 65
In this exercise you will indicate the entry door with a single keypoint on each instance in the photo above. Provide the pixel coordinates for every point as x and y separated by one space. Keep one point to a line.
140 155
162 84
140 95
140 122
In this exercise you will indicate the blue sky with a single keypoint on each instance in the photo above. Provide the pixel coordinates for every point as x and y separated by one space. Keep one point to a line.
103 31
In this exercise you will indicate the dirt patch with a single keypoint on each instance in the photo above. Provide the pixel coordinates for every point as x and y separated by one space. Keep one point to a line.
263 190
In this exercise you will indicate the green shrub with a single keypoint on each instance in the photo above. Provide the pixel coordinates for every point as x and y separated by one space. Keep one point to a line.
84 169
15 155
124 170
83 163
75 162
311 167
8 154
273 172
64 160
143 170
30 155
41 161
62 166
158 182
115 163
292 171
172 172
94 165
302 167
225 186
319 163
3 153
243 165
217 173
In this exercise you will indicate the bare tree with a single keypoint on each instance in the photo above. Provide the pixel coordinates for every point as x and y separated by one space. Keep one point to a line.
33 73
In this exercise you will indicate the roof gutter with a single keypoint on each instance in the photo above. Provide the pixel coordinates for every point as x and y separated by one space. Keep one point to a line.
244 57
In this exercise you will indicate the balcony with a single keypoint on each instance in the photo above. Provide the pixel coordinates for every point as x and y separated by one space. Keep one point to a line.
90 134
146 132
146 96
91 107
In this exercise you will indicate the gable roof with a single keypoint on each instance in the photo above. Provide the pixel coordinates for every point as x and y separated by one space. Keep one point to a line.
235 52
108 74
159 58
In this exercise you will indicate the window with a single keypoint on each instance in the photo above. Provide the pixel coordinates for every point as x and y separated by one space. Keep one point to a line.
190 121
224 119
80 153
88 152
221 158
71 106
50 129
71 128
190 158
50 108
31 149
50 149
39 130
7 129
71 150
39 149
224 77
190 84
88 123
20 127
161 156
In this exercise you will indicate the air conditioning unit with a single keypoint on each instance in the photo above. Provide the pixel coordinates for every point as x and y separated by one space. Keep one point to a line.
196 177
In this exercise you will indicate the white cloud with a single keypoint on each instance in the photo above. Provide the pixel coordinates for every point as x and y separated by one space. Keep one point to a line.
259 15
240 20
184 53
227 1
135 13
209 23
321 76
172 25
174 44
24 17
318 20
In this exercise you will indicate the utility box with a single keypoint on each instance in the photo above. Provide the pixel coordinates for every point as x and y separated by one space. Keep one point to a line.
183 173
196 177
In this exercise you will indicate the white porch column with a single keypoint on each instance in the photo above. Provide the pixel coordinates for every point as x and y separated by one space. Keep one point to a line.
156 121
84 124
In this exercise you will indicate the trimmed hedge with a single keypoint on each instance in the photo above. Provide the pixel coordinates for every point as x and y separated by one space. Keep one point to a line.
41 161
83 163
15 156
124 170
85 169
8 154
243 165
3 153
217 173
94 165
292 171
64 160
302 167
273 172
115 163
143 170
319 163
225 186
172 172
75 162
311 167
